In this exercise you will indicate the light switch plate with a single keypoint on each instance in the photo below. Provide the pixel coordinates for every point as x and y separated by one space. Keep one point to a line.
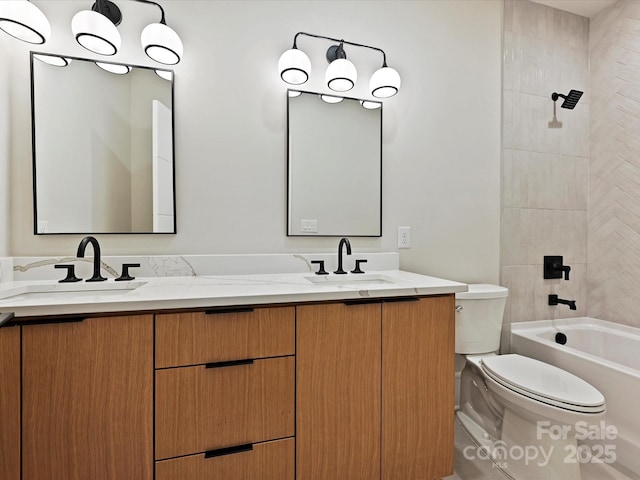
309 226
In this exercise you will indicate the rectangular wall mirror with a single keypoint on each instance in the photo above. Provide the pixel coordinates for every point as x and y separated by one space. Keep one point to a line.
334 166
103 154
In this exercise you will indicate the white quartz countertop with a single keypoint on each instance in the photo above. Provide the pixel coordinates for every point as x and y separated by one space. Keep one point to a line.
27 298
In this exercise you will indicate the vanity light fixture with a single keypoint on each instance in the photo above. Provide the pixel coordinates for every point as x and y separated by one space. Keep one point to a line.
341 75
25 21
160 42
96 30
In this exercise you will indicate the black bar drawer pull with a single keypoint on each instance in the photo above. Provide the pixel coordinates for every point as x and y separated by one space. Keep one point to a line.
228 451
52 321
5 318
231 363
401 299
229 310
362 302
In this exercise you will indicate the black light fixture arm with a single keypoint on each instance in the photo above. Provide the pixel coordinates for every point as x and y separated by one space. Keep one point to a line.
108 9
341 42
162 20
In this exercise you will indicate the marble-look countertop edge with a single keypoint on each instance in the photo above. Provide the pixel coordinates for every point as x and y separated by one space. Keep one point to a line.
219 291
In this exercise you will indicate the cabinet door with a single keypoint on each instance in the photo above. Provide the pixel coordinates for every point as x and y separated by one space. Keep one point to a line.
338 392
418 388
88 399
10 403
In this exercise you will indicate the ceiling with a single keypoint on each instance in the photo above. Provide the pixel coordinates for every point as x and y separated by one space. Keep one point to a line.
586 8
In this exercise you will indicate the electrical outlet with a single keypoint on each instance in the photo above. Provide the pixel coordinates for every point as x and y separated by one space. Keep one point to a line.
404 237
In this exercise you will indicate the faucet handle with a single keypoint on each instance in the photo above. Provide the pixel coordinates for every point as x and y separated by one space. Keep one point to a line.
321 270
554 267
71 274
358 269
125 272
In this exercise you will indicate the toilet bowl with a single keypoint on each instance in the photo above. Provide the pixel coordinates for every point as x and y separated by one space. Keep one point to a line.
522 413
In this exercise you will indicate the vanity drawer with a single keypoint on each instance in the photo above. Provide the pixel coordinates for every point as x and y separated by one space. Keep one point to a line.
200 409
265 461
224 334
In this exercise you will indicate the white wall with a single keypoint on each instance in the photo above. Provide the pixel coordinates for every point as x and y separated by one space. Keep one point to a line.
4 152
441 150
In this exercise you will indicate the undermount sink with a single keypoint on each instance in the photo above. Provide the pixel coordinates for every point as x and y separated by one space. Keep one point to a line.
74 290
351 280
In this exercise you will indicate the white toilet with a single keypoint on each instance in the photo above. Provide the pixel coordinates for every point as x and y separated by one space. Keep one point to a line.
522 413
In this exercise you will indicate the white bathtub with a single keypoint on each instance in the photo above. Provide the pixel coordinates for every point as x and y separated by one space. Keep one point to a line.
605 354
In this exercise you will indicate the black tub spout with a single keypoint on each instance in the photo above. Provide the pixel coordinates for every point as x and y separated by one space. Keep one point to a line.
554 300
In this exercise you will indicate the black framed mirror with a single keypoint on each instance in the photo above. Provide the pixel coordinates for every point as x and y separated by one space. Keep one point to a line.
334 165
103 147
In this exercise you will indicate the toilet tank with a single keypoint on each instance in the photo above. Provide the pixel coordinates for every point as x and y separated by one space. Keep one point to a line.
479 313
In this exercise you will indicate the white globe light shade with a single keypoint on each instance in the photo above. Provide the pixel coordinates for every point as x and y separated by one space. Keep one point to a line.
95 32
116 68
384 83
331 98
294 67
341 75
54 60
370 105
162 44
166 74
23 20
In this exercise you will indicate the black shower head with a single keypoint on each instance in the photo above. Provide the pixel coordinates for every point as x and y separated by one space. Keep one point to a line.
570 101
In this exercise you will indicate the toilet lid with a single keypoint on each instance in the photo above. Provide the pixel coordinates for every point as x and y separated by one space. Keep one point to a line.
544 382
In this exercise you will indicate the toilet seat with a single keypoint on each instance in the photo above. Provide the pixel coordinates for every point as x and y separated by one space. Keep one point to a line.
543 382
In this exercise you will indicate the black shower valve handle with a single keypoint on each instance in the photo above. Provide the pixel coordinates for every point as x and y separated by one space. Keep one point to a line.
555 268
566 269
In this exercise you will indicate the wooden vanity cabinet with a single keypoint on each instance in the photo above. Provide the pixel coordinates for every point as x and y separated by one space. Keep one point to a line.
10 403
375 389
225 394
87 399
358 390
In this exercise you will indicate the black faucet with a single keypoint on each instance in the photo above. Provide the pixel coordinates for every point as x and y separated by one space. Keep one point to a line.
343 241
554 300
96 257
